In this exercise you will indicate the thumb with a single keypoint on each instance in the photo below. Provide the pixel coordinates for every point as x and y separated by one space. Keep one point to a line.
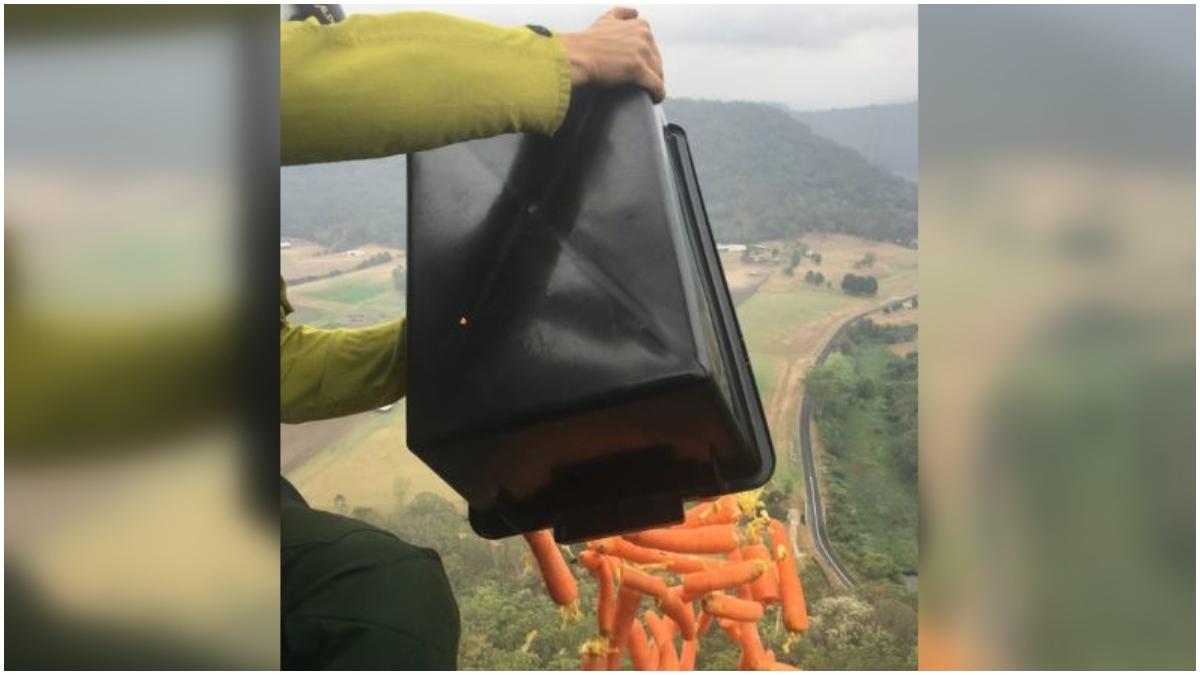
623 13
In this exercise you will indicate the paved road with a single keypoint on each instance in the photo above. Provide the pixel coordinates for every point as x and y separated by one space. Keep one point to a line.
816 519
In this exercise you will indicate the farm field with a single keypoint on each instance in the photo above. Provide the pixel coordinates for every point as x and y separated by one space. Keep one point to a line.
369 465
356 297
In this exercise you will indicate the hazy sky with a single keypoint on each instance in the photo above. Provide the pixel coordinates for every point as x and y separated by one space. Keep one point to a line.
808 57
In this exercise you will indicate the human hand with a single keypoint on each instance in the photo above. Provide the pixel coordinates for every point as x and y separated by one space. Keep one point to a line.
618 48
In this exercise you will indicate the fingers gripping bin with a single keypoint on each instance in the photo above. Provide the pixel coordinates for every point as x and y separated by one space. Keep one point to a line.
574 357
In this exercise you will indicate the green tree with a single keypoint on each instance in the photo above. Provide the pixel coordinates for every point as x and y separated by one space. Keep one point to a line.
877 566
854 284
831 384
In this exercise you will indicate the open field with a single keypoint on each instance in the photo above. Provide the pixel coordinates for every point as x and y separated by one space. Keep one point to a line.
355 298
306 259
787 320
370 465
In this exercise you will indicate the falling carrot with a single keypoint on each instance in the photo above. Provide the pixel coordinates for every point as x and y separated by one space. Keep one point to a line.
724 578
555 573
661 632
627 606
706 539
743 592
601 569
756 657
616 546
765 588
791 592
642 582
681 613
686 564
613 661
732 628
687 654
722 510
639 648
732 608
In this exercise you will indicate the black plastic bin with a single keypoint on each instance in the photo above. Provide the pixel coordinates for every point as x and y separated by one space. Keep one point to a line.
574 356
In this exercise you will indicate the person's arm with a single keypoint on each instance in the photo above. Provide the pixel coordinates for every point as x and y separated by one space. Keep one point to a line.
385 84
327 373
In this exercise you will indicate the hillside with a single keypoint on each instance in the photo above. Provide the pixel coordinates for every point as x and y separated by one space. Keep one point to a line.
345 204
767 176
764 176
885 134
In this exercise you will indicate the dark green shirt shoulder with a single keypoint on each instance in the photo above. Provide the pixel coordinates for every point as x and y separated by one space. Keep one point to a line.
355 596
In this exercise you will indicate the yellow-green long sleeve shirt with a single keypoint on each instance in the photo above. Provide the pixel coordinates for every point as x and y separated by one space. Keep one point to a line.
378 85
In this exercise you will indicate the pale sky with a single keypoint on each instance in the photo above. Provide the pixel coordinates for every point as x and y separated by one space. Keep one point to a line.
807 57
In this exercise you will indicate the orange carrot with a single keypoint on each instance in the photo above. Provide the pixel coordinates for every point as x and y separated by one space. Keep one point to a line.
791 593
642 582
723 578
667 658
687 654
732 628
752 647
703 623
601 569
706 539
686 564
613 661
555 573
621 548
743 592
733 608
627 607
639 648
765 588
681 613
720 511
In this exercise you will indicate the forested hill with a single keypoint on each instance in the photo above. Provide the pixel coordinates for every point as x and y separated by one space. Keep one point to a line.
765 175
885 134
345 204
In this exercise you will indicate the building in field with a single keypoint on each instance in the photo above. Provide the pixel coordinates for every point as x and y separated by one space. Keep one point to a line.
762 254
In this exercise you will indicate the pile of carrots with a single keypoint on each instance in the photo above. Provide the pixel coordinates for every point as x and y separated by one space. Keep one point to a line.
723 565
